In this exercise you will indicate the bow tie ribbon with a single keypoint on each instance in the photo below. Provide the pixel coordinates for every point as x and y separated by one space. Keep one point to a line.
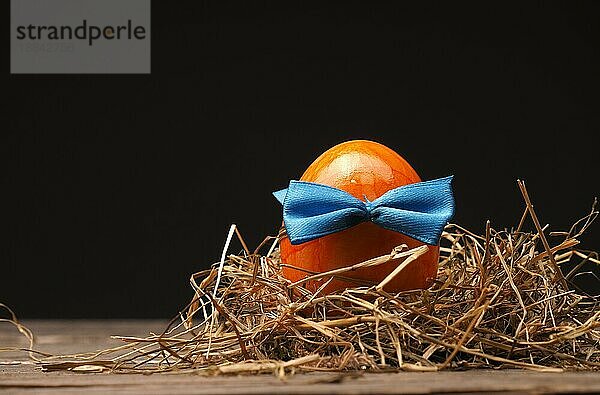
419 210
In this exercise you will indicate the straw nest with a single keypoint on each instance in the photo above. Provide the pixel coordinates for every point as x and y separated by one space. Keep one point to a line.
500 300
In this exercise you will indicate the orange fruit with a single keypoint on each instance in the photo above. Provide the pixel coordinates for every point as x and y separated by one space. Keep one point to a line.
361 168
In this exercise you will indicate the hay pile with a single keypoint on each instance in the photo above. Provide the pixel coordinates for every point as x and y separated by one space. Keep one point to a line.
500 300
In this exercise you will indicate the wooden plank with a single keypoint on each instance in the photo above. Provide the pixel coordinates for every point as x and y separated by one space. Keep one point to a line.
88 335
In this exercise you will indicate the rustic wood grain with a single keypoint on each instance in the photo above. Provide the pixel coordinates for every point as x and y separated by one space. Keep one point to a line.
88 335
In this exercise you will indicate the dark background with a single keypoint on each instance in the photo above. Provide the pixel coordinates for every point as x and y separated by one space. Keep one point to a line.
115 188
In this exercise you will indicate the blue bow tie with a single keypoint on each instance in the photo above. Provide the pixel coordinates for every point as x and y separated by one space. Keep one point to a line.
418 210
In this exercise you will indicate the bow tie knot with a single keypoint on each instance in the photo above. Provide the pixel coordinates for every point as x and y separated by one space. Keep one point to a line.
369 208
419 210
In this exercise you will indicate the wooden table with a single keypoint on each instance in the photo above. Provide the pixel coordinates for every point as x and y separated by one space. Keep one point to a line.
87 335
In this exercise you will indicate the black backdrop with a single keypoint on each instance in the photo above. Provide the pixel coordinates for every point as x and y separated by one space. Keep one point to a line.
115 188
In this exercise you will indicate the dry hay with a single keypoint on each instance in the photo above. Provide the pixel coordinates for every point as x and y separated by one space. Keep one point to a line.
500 300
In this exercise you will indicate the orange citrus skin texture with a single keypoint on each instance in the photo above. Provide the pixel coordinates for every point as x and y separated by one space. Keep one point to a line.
361 168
